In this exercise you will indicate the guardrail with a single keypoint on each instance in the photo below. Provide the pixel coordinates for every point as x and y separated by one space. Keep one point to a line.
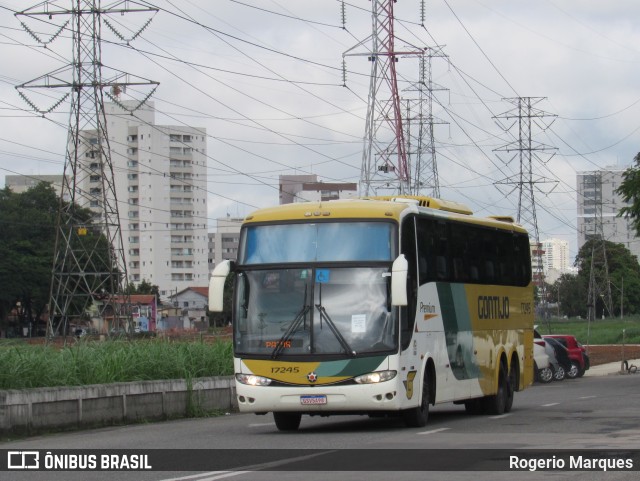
28 411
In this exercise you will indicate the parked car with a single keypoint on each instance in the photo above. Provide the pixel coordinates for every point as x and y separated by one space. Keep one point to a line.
562 356
543 372
577 354
550 349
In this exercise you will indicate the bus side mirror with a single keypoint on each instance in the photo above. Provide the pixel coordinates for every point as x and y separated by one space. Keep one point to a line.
216 285
399 272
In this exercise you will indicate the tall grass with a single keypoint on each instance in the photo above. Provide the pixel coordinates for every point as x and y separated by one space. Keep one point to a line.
27 366
599 331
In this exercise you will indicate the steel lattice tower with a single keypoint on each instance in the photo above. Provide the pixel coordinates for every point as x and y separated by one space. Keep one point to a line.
384 158
599 285
526 150
419 126
89 262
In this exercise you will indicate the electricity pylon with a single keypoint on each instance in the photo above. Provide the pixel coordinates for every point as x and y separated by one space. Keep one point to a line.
89 262
526 116
419 127
599 284
384 158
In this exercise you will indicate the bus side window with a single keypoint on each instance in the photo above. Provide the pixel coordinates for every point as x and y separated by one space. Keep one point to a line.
489 272
441 268
473 271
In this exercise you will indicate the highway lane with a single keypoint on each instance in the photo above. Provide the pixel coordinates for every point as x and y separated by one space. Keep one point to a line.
589 413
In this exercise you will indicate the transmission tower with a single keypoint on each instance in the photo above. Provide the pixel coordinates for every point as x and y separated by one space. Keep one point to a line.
526 116
599 285
89 262
384 158
419 127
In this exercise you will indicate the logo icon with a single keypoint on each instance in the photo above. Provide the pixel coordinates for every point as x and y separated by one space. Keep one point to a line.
23 460
312 377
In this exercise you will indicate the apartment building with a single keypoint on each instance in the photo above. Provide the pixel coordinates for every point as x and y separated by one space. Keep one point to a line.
160 182
224 241
599 204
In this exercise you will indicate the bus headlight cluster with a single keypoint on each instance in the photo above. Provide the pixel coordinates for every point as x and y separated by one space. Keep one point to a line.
252 380
375 377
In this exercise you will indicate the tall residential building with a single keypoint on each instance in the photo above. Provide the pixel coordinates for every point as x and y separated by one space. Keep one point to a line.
598 202
160 180
556 260
556 255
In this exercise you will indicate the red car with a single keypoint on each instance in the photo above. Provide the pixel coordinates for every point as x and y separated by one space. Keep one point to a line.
577 354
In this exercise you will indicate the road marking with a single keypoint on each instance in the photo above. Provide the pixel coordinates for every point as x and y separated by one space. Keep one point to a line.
203 476
433 431
214 475
549 405
587 397
257 425
506 415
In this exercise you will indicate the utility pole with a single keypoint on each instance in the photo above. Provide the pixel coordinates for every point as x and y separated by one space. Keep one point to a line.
89 263
384 158
525 150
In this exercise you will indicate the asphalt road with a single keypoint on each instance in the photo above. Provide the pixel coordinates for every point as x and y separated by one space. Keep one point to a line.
589 415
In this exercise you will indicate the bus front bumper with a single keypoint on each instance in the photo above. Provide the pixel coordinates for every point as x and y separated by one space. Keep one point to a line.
320 399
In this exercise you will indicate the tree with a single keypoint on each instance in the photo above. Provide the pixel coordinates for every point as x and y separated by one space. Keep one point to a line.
571 292
624 276
629 190
27 237
145 287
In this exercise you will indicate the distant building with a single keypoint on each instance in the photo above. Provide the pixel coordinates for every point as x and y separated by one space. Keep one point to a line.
21 183
556 254
189 310
306 188
598 201
223 243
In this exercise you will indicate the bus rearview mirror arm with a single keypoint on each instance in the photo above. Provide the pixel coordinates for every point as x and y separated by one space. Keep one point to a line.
216 285
399 272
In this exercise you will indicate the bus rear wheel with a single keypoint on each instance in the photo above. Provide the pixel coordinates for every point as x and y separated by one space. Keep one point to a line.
499 402
287 421
417 417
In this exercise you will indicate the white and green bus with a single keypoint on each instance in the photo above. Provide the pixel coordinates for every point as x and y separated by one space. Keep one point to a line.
378 306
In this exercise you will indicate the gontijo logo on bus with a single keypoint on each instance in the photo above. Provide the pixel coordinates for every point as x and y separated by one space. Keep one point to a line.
493 307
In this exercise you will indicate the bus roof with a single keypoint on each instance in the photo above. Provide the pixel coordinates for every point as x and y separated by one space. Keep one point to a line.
387 207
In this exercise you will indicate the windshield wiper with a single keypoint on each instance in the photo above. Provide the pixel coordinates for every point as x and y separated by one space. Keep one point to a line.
293 327
343 342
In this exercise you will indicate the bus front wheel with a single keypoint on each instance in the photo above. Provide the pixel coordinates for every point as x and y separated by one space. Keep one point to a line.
417 417
287 421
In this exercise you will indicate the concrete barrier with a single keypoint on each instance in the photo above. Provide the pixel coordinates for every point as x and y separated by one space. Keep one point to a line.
56 408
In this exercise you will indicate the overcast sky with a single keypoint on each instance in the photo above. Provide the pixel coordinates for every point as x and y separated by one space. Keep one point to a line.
265 79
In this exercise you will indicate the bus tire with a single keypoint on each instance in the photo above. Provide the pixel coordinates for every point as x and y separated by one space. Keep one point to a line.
512 381
497 403
417 417
287 421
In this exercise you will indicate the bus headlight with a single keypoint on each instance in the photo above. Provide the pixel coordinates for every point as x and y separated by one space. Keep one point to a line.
375 377
252 380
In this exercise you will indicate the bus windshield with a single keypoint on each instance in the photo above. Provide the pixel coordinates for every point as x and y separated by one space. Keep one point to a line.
318 242
335 311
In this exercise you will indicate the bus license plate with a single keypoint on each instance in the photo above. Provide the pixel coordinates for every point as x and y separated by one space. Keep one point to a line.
321 399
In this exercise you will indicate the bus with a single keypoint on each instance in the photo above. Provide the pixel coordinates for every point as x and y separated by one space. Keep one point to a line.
378 306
